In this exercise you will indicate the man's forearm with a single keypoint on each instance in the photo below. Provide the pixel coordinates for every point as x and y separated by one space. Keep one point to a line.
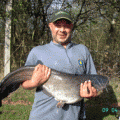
28 84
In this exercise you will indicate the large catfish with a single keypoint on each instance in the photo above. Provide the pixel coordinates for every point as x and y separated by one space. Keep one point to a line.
64 87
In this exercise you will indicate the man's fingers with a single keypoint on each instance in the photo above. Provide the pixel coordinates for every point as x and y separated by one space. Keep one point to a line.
84 87
89 83
90 87
43 68
37 67
49 72
81 86
85 84
94 91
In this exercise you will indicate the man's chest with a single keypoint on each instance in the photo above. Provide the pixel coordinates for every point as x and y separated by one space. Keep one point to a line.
64 61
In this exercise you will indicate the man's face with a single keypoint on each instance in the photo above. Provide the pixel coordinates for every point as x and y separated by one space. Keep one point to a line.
61 31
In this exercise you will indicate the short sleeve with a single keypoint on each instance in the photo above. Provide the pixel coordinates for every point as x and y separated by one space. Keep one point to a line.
90 67
31 59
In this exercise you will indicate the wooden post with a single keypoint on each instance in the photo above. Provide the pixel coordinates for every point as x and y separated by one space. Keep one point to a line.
7 37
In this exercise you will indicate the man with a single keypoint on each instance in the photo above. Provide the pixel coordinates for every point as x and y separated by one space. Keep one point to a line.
62 55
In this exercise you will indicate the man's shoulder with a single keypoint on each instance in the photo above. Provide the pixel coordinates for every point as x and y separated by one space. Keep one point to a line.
81 46
40 47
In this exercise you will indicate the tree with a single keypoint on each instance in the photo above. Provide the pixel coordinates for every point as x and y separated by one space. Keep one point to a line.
92 26
7 37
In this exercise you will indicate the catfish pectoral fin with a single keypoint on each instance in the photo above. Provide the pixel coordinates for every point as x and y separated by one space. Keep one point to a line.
47 93
60 104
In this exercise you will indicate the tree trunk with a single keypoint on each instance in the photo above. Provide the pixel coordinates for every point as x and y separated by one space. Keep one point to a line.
7 37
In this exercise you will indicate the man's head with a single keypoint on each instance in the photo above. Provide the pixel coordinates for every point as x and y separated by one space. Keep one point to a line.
61 27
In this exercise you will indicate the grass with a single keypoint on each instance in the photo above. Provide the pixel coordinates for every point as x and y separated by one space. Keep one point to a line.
20 102
18 105
15 112
103 107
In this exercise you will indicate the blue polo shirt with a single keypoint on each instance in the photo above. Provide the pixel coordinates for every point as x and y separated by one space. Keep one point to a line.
75 59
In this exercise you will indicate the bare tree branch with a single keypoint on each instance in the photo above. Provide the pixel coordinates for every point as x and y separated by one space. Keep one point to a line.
79 13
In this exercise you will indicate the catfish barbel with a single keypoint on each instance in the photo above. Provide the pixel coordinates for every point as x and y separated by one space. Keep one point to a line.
64 87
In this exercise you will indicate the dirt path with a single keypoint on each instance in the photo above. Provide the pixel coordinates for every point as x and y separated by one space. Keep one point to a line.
21 102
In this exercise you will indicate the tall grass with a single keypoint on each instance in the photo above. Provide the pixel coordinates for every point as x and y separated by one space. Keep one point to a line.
19 103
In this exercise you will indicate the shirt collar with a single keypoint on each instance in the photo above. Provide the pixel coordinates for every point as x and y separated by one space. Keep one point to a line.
69 45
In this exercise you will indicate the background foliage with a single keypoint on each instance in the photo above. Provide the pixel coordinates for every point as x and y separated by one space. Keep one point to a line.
96 25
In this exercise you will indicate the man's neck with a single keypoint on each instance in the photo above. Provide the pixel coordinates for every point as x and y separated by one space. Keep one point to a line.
65 44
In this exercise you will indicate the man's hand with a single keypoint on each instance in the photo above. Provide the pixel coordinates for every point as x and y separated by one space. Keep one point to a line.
85 93
40 74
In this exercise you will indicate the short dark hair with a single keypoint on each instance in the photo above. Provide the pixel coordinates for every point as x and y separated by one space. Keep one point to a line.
67 21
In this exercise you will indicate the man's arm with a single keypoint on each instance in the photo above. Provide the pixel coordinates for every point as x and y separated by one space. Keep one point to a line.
90 69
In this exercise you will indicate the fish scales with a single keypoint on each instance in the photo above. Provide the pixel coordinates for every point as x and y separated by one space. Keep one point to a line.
62 86
67 89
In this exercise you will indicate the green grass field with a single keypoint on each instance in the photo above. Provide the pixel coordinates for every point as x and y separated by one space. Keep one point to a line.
103 107
17 106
